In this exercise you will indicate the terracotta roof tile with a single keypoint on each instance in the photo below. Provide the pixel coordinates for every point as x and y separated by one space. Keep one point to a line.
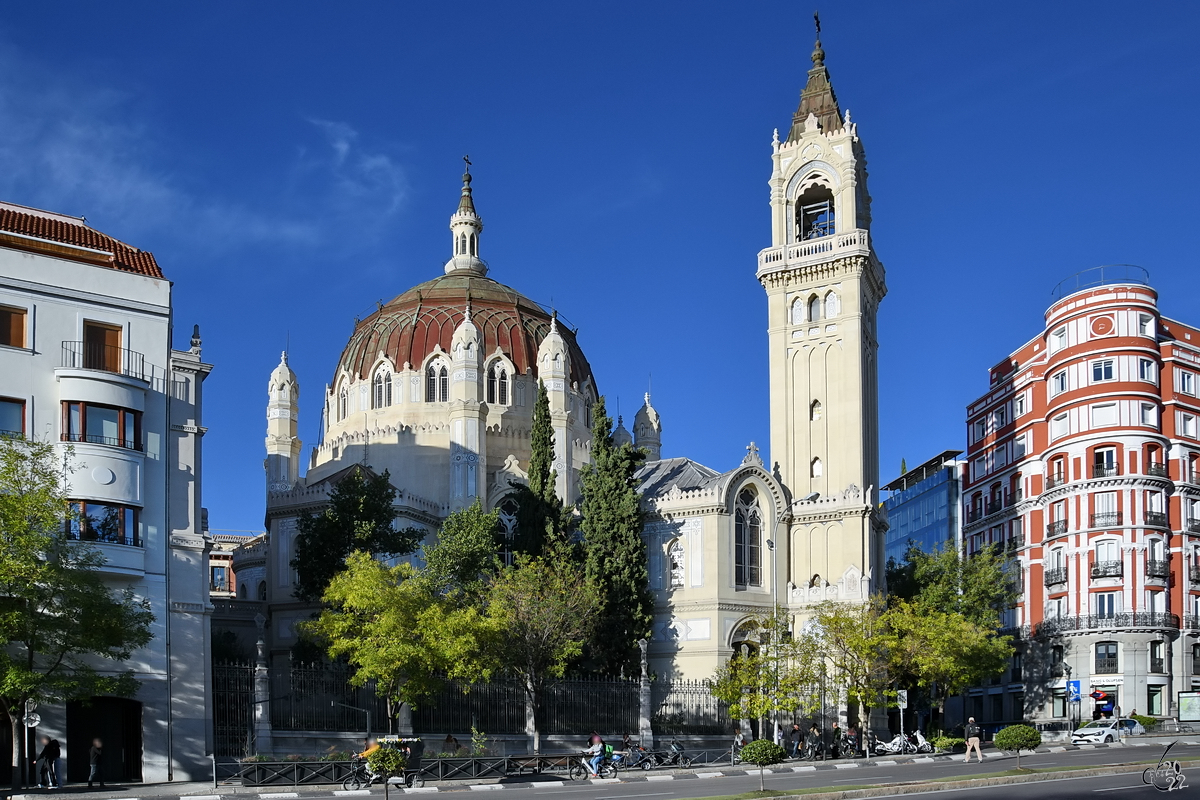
72 231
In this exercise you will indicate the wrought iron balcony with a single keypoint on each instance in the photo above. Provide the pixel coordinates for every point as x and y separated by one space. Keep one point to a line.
1106 666
1055 576
1132 619
1157 665
1105 470
1156 518
1057 479
974 514
105 358
1158 569
1016 542
91 438
1196 666
91 534
1191 622
1157 470
993 507
1106 519
1108 569
1194 573
1015 496
1056 528
1193 525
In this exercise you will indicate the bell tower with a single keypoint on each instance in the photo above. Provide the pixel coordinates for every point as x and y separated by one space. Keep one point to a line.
283 443
824 284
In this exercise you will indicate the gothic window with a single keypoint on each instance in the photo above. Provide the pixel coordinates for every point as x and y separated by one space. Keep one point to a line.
833 306
747 537
675 563
461 249
474 245
497 384
815 213
508 529
816 468
491 384
814 309
437 383
797 311
382 385
816 410
262 591
343 402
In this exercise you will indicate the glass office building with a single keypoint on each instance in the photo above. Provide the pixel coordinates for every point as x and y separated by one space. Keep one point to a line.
924 506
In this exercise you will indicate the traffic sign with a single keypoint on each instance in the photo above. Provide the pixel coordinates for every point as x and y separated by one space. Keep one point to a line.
902 698
1073 692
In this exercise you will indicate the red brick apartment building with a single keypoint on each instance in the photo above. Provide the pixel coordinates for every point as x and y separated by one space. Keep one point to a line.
1084 462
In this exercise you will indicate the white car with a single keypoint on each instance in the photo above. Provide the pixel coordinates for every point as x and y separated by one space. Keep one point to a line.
1103 731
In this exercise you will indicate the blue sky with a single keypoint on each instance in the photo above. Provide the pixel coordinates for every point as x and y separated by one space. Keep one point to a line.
291 163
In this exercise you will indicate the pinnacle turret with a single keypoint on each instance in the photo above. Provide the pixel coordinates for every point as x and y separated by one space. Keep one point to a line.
817 99
465 227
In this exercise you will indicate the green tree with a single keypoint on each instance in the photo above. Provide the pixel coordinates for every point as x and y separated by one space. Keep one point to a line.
979 587
615 560
542 521
762 753
464 558
387 763
359 516
543 609
397 629
59 622
1018 738
852 636
775 678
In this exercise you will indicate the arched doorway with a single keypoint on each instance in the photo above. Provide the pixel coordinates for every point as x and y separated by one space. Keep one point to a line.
117 721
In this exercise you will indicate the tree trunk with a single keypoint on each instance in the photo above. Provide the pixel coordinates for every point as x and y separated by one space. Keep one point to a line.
18 752
762 780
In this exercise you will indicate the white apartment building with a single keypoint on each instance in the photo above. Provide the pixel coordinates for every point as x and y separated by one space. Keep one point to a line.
86 360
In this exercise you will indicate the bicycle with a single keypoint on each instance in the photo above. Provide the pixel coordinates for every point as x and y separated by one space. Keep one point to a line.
581 768
360 776
637 756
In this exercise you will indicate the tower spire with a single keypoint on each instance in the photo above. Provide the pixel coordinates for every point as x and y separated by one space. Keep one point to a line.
465 227
817 99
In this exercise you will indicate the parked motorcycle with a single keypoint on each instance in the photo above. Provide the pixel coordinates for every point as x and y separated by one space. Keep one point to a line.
899 745
920 743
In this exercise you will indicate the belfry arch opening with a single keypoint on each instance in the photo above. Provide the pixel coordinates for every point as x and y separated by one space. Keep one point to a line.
815 215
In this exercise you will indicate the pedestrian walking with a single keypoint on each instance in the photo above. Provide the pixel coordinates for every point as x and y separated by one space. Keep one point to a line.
96 763
795 739
780 739
46 762
972 732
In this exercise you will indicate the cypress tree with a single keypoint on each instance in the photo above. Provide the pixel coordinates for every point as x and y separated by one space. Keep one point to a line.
540 515
614 552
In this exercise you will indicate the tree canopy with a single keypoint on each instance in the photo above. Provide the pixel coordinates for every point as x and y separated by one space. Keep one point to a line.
359 517
615 560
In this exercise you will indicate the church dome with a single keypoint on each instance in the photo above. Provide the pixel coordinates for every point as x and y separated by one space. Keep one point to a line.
408 328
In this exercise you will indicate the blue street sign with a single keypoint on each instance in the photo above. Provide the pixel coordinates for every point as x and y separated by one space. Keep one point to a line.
1073 691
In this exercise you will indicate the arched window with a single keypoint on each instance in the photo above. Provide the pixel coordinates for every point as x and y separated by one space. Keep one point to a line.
797 311
817 468
491 384
243 592
437 383
814 309
262 591
382 385
675 563
343 402
508 529
814 213
815 410
474 245
833 306
747 536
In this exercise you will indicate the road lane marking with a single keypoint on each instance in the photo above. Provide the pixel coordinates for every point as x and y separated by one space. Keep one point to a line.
845 766
660 777
485 787
271 795
710 774
544 784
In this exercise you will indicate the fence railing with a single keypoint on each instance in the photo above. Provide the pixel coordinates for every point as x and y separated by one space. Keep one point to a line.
687 707
233 709
321 698
1131 619
106 358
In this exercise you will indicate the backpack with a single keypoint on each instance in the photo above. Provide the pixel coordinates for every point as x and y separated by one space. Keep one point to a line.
972 731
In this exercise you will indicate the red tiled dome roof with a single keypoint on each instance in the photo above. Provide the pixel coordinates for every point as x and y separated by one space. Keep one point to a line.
407 328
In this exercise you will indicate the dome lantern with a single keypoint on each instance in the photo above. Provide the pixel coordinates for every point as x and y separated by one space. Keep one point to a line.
465 227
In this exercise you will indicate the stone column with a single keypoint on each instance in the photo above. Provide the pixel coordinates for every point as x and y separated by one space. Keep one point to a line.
404 720
263 739
645 731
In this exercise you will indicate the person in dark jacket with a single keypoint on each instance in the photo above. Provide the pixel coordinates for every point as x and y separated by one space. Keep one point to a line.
47 762
95 761
795 738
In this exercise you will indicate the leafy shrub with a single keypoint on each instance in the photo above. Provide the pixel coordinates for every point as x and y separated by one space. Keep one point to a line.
1018 738
948 743
762 753
386 761
1145 722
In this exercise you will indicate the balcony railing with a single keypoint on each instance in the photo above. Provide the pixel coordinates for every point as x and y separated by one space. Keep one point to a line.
92 438
1157 665
1193 525
1158 569
814 249
1158 519
106 358
1056 528
1016 542
89 534
1106 519
1191 622
1106 666
1157 470
218 586
1194 573
974 514
1196 666
1105 470
1108 569
1015 496
993 506
1058 479
1132 619
1056 576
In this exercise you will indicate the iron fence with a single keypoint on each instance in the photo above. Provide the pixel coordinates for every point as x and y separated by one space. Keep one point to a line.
590 704
233 709
497 707
687 707
320 697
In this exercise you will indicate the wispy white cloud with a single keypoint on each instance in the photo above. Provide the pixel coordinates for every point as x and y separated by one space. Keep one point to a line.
85 150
